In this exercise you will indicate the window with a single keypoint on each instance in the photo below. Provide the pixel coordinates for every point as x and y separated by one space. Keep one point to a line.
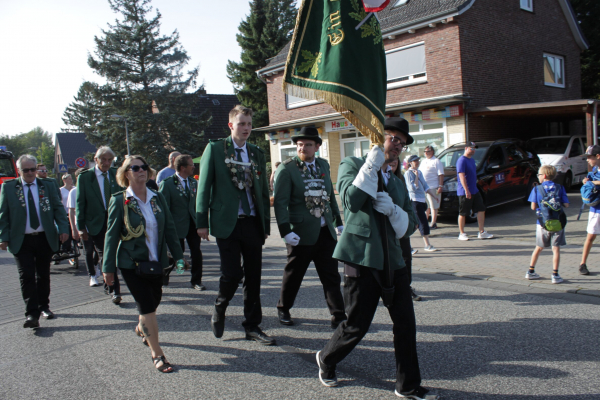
496 157
514 153
576 149
295 102
554 70
406 66
425 134
287 149
527 5
353 144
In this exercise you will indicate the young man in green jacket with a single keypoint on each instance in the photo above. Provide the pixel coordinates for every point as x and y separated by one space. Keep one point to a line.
233 201
180 192
94 189
307 215
361 249
32 220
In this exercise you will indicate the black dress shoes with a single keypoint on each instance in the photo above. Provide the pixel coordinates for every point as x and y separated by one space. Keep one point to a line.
285 318
31 322
217 322
198 286
47 314
116 299
259 336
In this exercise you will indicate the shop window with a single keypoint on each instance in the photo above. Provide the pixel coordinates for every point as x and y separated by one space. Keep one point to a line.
353 144
554 70
527 5
425 134
295 102
406 65
287 149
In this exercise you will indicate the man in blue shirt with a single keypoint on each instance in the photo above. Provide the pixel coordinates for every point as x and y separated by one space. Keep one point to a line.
593 158
168 171
469 197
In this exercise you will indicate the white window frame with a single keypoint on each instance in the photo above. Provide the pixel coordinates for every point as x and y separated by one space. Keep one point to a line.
527 5
357 139
285 146
443 130
299 103
563 71
411 78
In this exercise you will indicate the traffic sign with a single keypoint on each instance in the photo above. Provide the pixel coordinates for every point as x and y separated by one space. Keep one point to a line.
81 162
3 148
62 168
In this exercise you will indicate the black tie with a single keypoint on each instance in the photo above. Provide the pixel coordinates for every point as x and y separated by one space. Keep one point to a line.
34 222
186 186
312 170
241 178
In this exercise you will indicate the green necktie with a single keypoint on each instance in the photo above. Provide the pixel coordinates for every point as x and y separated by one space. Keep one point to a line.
242 178
187 190
34 221
106 189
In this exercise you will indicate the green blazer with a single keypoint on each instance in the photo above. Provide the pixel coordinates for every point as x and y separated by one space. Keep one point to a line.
181 205
90 209
13 213
290 204
118 253
361 242
218 193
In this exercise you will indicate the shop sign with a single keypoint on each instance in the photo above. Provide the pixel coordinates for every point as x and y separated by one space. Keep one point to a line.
339 125
433 114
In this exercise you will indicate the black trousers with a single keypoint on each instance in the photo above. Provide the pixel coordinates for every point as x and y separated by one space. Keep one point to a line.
362 295
407 255
193 241
245 242
33 264
298 260
96 242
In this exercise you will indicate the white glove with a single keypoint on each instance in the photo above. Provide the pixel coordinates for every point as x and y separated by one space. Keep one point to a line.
366 179
340 229
383 204
292 239
399 221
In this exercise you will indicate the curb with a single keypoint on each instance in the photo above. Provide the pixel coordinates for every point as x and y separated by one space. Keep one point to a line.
520 282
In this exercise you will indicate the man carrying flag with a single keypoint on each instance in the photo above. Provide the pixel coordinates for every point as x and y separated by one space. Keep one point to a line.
337 57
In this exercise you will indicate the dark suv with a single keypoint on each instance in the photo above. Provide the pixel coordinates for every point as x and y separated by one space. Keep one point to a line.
505 173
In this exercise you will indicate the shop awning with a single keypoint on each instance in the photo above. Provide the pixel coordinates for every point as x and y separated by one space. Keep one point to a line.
566 109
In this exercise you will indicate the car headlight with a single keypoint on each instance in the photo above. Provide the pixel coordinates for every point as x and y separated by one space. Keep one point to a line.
450 186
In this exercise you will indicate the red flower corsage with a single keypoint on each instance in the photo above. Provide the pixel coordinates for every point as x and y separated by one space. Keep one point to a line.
323 175
258 173
41 196
127 202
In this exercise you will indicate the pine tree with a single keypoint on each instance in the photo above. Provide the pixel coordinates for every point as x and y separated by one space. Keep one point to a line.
264 32
145 83
588 13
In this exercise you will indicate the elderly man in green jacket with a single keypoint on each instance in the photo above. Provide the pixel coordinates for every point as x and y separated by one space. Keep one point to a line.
94 189
361 249
233 200
307 215
32 220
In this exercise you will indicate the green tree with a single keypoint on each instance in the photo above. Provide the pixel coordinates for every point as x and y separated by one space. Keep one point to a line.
264 32
145 83
30 143
588 14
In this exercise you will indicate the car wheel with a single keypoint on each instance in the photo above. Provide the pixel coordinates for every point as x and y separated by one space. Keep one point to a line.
568 181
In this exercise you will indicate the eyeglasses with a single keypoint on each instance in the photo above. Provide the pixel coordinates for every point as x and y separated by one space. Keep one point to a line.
136 168
42 170
396 140
26 170
428 151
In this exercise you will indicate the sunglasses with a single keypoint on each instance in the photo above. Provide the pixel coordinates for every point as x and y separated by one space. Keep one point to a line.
26 170
42 170
136 168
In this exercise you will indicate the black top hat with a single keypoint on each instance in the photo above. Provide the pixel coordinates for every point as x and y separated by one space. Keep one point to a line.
307 132
400 125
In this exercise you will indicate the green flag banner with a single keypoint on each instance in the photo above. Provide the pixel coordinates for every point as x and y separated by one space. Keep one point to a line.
337 60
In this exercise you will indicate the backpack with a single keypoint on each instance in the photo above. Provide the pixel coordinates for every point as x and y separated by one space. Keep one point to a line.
551 211
590 194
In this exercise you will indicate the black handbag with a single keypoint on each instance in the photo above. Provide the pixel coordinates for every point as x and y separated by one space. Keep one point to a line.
148 269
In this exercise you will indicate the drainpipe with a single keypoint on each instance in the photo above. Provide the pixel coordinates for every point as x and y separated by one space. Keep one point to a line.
595 122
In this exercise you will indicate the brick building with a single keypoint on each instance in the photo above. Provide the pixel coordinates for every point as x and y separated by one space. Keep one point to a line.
458 70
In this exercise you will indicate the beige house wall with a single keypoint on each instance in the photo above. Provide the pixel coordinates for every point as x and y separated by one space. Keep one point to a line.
456 129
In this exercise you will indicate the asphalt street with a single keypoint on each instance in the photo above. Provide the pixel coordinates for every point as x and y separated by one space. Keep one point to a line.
476 340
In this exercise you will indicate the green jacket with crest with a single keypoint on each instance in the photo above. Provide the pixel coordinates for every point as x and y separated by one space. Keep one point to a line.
89 207
122 254
181 204
291 209
218 198
13 213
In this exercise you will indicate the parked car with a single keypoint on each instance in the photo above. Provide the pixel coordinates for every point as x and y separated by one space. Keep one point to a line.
505 173
8 168
565 153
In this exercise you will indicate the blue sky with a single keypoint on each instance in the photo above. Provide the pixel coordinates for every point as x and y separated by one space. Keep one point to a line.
45 43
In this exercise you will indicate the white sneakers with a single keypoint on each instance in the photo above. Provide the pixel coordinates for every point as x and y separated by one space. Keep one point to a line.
557 279
463 236
485 235
430 248
93 281
532 276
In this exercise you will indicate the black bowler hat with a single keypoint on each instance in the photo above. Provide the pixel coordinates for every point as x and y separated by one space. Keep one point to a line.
400 125
307 132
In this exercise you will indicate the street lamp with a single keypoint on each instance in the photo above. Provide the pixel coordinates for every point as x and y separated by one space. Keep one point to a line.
126 131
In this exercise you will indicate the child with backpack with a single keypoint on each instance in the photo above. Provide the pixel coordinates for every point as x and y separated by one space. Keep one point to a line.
548 200
593 178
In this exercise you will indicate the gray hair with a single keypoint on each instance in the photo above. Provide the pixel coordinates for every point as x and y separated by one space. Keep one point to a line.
26 157
102 150
174 155
65 176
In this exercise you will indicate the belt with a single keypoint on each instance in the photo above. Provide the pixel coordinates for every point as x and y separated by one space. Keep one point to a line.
34 233
240 216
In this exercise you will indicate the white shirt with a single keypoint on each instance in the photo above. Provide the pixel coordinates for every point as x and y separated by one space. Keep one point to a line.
64 192
431 169
100 179
36 200
308 164
386 174
72 201
245 158
183 182
151 224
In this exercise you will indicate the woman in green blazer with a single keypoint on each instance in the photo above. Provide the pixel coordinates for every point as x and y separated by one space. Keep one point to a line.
140 228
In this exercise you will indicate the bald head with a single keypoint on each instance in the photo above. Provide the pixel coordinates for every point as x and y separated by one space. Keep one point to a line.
172 158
